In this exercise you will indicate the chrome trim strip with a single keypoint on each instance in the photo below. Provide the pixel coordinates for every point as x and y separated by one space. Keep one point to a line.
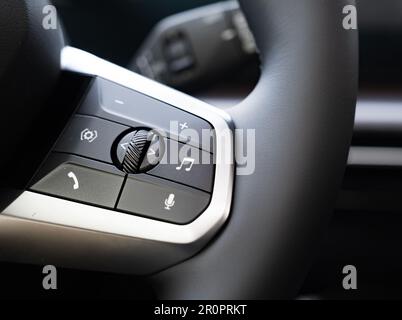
375 156
53 211
376 114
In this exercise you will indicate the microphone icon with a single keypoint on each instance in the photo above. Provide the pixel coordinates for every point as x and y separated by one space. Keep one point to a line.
169 201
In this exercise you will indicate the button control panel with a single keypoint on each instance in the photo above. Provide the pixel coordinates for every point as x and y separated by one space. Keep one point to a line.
79 179
90 137
160 199
114 102
187 165
120 151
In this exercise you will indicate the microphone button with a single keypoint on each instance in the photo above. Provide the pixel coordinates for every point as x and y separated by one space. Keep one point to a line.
160 199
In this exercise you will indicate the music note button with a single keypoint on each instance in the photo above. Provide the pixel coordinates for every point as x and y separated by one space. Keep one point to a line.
194 168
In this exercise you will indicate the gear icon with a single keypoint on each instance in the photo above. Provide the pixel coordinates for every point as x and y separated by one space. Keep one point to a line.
89 135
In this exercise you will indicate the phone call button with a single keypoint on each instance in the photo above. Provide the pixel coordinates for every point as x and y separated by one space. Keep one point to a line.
80 183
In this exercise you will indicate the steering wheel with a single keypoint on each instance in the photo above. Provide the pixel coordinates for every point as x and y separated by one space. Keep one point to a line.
239 233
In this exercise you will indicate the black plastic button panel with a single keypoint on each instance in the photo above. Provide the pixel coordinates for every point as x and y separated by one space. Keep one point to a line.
110 101
87 162
79 179
90 137
150 197
187 165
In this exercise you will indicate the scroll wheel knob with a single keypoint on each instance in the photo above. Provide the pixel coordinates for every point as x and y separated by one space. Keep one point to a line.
135 150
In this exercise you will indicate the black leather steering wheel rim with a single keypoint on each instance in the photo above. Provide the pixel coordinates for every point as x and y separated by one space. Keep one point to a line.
302 110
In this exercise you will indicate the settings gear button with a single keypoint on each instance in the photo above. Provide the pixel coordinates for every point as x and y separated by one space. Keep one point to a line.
90 137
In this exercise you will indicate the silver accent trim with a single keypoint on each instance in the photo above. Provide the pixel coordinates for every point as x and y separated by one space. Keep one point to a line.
375 157
184 240
378 115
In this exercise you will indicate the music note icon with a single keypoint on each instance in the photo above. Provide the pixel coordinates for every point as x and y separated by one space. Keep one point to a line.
186 161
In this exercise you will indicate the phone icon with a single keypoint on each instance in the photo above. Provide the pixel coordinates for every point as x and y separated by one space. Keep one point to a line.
74 177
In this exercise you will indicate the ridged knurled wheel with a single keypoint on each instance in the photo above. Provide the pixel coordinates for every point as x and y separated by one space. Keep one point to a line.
135 151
